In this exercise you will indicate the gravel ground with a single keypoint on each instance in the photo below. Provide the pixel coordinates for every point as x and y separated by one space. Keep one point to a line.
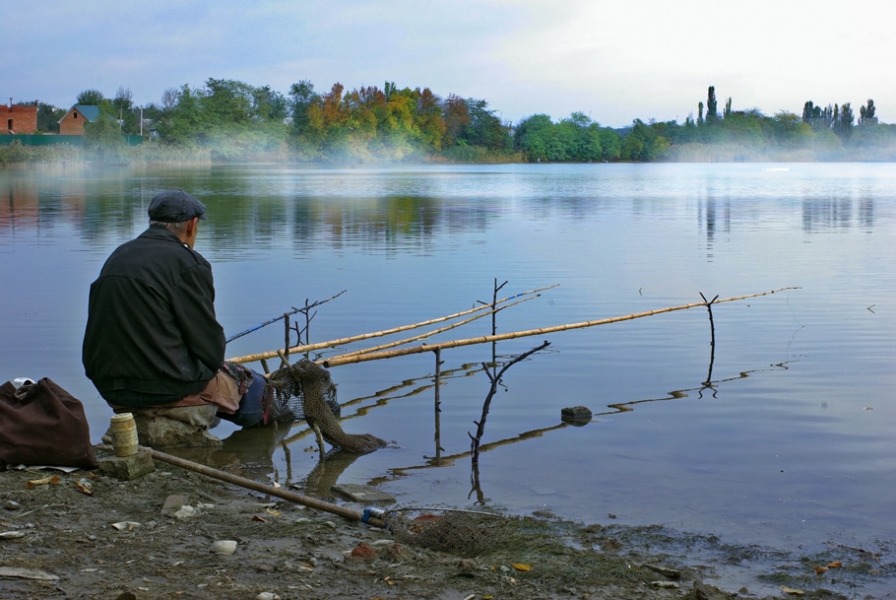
89 535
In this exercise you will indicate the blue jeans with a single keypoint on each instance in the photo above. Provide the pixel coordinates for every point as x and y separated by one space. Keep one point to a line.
251 411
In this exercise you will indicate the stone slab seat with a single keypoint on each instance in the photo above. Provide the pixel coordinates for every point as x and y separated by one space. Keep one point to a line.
181 426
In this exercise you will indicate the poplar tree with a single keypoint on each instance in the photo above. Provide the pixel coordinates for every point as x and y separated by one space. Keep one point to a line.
712 112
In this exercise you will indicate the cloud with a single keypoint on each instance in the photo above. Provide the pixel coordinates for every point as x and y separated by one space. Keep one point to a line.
648 59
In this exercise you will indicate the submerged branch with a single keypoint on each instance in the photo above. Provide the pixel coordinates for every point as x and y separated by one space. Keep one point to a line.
495 379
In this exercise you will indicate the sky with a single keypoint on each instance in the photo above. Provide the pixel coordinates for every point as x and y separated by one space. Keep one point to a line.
614 61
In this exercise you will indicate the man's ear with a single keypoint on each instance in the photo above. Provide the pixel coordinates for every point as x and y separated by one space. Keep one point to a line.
191 226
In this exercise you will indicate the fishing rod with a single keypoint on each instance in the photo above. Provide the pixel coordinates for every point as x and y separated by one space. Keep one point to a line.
283 316
264 324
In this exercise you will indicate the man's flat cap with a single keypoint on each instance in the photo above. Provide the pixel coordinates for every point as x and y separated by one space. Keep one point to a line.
175 206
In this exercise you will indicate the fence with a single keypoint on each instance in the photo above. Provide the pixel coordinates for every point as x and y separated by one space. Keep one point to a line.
37 139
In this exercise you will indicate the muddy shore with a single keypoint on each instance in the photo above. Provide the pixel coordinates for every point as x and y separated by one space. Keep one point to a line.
86 534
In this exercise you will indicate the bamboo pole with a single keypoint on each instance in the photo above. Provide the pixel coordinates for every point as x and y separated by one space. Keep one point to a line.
342 511
431 333
366 336
356 358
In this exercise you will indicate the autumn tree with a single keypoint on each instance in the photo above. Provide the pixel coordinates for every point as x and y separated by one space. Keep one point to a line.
369 112
329 116
401 106
457 118
429 118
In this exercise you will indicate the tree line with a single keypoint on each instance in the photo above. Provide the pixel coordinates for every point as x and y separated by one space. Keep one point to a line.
233 120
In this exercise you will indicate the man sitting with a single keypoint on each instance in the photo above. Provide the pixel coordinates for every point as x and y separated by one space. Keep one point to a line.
153 345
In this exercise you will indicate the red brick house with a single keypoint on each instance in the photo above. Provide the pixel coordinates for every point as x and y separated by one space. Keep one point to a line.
18 119
72 123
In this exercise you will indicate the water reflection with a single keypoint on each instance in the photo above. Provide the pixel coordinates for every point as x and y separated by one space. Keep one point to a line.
441 460
250 452
818 215
261 213
707 213
834 214
31 203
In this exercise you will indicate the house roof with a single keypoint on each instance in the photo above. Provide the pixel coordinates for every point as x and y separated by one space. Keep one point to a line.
89 111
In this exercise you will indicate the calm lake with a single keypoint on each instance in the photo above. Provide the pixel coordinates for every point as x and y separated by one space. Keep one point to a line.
790 444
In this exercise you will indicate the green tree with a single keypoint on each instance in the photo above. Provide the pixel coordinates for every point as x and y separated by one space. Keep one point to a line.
818 117
48 117
301 97
532 137
484 128
103 136
745 128
269 105
844 121
125 112
227 102
184 123
791 131
585 139
644 143
576 138
866 114
610 144
90 97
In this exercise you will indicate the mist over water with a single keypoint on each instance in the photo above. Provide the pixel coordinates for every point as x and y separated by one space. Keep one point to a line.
789 445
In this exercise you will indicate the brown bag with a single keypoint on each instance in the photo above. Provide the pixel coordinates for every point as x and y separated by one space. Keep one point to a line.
42 424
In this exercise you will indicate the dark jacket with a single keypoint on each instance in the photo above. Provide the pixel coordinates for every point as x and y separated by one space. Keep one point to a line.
152 336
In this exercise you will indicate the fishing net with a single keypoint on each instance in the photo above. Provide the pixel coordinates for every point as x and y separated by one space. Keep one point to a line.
305 390
286 400
460 532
